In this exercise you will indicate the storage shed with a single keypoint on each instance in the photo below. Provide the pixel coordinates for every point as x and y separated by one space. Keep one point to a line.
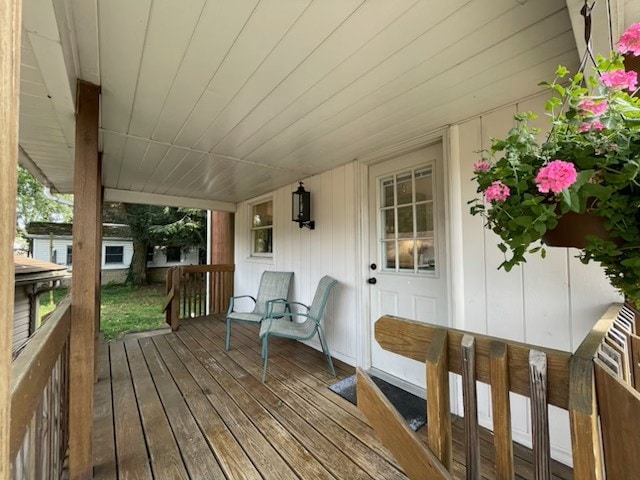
32 278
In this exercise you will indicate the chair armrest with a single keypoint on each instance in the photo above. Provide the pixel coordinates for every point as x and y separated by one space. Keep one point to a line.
232 300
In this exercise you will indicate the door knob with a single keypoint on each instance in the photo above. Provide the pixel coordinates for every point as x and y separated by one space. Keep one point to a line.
372 281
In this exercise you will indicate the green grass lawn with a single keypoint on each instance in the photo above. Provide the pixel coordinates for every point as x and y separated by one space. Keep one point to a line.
125 308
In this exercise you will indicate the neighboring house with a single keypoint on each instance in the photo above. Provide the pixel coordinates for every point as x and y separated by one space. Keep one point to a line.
53 242
32 278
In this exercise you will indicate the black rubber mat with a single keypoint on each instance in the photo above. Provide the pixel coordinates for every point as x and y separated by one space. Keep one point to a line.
411 407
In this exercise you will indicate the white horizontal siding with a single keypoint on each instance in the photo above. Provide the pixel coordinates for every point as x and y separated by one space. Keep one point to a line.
56 251
21 317
311 254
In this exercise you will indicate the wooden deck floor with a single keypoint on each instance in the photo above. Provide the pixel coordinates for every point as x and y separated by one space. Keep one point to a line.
177 406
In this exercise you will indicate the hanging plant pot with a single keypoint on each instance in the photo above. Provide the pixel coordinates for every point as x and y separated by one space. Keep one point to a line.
573 228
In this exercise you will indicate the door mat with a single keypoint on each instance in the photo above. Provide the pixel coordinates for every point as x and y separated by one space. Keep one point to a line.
411 407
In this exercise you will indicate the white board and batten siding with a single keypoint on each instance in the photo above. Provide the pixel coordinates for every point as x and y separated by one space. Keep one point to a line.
551 302
330 249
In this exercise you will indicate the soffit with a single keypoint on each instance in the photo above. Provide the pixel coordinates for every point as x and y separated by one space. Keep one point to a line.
227 100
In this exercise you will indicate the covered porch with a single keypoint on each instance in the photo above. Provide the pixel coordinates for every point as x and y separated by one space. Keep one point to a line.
226 106
179 406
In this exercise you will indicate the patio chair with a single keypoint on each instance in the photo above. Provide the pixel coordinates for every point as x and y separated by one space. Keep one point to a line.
278 324
273 286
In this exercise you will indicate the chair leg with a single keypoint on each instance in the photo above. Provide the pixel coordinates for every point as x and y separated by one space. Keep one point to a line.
265 354
228 342
325 350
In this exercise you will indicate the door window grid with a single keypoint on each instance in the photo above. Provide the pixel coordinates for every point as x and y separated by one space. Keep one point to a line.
407 220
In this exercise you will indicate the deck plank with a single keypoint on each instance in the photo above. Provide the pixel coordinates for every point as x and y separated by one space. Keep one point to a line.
185 387
326 422
104 448
166 462
297 455
198 458
333 459
225 427
131 448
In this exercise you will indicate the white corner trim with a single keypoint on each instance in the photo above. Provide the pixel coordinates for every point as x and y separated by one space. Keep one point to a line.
455 208
128 196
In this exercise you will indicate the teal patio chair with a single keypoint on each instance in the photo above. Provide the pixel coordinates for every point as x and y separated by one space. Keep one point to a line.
273 286
279 324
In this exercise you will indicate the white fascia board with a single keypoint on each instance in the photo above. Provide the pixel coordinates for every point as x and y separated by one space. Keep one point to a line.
128 196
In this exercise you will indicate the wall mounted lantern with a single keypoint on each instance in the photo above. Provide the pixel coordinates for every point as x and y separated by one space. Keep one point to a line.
301 208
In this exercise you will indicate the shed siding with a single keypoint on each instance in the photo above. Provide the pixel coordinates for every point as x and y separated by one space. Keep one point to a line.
21 316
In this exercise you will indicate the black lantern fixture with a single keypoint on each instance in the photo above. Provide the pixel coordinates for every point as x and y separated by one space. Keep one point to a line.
301 208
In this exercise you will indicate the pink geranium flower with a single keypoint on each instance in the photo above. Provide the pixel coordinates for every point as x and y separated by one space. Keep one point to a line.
595 108
481 166
496 191
595 125
630 40
556 176
620 79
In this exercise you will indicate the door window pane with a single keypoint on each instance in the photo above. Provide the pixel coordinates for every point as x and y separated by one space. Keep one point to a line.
405 190
424 220
405 222
426 255
388 224
387 193
405 254
424 185
389 255
408 222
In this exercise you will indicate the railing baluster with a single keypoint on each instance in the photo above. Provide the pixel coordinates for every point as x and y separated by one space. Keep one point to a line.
438 405
540 414
472 438
501 407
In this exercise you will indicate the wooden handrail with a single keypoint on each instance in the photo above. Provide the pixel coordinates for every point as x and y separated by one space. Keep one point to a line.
412 339
31 370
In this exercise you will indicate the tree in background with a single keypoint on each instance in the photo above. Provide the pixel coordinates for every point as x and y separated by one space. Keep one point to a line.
153 225
32 205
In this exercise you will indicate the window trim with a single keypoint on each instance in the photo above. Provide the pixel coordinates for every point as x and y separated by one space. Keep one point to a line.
106 255
69 255
166 253
264 256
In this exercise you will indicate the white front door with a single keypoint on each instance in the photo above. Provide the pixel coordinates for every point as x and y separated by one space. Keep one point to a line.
407 251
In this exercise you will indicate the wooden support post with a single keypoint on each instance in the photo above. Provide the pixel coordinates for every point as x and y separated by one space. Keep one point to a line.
471 433
438 405
174 311
85 288
99 199
222 225
540 415
10 24
499 362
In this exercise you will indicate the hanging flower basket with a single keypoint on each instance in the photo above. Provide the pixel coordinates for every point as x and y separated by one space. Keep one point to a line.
579 187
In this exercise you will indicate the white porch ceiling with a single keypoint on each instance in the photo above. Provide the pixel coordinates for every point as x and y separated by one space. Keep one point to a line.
225 100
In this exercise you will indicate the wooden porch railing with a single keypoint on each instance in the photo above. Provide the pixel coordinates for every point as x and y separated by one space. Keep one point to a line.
186 291
40 400
597 386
